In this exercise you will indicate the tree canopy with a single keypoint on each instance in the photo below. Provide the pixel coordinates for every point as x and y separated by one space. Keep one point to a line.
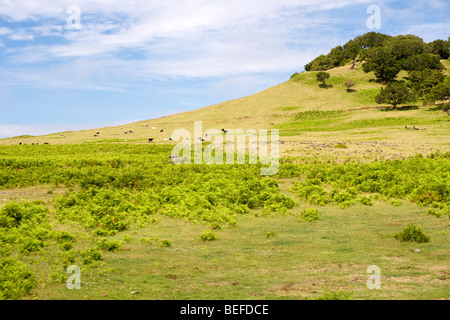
408 51
394 94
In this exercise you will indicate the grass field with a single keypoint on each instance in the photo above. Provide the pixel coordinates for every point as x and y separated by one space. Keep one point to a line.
132 221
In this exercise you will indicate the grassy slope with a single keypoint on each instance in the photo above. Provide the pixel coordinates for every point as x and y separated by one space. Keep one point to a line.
306 258
280 104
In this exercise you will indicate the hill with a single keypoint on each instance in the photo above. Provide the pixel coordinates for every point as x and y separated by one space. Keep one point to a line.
306 115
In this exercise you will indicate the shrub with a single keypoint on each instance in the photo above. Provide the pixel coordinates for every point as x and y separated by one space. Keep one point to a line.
271 234
165 243
66 245
145 240
310 215
64 236
344 199
28 244
434 212
366 201
109 245
14 214
90 256
208 236
338 295
412 233
16 279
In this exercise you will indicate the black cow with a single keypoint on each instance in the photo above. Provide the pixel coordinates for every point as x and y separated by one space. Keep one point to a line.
162 130
150 140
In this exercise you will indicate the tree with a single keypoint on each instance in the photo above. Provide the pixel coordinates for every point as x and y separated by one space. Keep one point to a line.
441 48
320 63
383 63
351 49
395 93
322 77
403 47
349 83
423 81
372 39
441 92
423 61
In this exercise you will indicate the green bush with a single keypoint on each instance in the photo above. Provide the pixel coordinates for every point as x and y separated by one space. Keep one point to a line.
208 235
344 199
66 245
412 233
145 240
338 295
434 212
64 236
109 245
366 201
16 279
165 243
14 214
271 234
310 215
396 202
90 256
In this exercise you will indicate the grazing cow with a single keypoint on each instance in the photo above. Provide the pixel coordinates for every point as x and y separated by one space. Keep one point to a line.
96 135
20 143
46 143
150 140
170 139
162 130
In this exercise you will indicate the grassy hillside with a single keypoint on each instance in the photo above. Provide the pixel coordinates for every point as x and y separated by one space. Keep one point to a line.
301 110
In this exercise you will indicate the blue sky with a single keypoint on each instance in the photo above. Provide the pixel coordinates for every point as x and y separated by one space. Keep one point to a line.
133 60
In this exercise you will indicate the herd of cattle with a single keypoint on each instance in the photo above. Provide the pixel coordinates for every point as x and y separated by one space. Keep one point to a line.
97 135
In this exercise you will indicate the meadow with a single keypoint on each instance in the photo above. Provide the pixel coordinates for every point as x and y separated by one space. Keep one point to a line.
140 227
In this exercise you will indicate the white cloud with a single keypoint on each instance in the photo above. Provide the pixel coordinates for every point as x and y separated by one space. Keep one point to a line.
4 31
122 41
21 37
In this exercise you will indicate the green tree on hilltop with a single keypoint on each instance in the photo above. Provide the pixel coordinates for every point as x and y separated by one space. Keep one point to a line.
383 63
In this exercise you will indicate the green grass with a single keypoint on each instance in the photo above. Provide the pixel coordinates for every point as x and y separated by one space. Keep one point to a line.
155 235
